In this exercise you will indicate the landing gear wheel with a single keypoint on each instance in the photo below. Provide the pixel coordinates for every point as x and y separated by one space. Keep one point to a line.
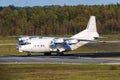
47 54
59 53
29 54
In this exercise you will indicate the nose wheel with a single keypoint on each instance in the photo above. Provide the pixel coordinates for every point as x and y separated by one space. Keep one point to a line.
29 54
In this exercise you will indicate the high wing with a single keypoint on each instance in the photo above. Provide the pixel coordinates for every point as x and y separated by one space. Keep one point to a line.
56 38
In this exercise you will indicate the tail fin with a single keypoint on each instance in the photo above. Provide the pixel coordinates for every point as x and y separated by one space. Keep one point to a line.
92 24
90 32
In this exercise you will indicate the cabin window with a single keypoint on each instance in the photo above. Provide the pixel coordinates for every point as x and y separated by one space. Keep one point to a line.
39 45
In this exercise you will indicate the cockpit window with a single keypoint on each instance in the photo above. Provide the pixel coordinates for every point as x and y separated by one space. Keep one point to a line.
26 43
23 43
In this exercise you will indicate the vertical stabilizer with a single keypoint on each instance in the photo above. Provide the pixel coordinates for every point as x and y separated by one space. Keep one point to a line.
92 24
90 32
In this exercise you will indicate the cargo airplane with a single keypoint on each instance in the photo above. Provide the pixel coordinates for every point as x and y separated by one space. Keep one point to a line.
47 45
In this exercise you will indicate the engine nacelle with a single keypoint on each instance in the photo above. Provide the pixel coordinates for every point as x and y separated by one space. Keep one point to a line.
59 40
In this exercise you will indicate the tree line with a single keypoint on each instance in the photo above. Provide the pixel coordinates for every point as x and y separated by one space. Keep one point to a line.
57 20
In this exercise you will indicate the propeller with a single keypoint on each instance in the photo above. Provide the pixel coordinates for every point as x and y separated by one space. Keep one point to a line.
67 46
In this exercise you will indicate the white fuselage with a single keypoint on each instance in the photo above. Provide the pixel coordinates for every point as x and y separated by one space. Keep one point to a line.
36 45
45 45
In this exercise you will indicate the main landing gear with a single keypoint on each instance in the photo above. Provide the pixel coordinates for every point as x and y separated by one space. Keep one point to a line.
47 54
59 53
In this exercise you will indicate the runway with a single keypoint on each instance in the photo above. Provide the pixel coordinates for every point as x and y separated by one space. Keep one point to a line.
89 59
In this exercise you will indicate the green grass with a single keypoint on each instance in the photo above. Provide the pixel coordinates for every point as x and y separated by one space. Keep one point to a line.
59 72
5 40
9 50
111 37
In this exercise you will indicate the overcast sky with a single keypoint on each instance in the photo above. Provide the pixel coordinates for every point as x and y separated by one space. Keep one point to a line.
22 3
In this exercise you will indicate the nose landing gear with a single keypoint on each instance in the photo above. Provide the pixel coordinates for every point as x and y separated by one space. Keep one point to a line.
29 54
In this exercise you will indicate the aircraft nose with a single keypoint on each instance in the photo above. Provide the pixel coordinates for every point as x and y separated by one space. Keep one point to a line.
19 48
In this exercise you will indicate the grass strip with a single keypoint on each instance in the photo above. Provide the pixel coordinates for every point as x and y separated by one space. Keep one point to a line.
59 72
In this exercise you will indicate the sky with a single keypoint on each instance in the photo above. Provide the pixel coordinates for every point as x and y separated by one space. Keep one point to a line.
23 3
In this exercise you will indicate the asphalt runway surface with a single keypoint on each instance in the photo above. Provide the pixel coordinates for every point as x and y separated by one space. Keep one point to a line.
88 58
